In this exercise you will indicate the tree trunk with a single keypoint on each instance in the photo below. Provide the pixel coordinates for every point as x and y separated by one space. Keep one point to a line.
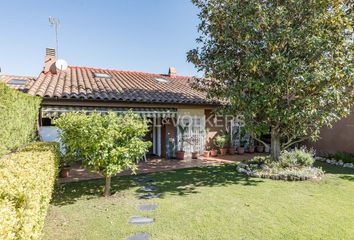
275 144
107 187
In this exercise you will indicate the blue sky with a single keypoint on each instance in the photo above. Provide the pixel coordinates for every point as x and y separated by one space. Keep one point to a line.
136 35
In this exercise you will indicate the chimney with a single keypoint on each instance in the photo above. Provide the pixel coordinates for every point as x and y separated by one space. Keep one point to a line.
172 72
49 60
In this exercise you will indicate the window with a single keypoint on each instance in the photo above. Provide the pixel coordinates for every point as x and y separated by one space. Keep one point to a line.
101 75
162 80
17 82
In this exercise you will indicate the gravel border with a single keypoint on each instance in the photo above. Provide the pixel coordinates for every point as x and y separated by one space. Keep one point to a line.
335 162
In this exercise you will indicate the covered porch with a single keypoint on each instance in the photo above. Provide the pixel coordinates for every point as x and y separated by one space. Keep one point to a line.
159 121
164 133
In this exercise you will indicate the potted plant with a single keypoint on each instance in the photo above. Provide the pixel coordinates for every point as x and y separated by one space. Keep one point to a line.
213 152
220 141
64 167
180 152
231 149
241 148
193 141
260 148
206 152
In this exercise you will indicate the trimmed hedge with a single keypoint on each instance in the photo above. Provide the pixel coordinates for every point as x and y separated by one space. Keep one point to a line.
18 118
26 185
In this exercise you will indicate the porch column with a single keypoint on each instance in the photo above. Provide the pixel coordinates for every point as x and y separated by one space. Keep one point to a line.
158 136
154 150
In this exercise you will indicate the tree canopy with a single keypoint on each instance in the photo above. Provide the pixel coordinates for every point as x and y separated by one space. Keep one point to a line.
286 66
108 143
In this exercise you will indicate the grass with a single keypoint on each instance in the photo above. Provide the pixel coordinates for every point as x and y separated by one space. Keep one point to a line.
209 203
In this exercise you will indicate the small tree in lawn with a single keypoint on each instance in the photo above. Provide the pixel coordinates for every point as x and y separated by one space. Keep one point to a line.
286 66
107 143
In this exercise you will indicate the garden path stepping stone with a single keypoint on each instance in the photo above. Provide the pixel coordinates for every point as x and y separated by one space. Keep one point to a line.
140 220
139 236
150 196
145 181
148 189
148 207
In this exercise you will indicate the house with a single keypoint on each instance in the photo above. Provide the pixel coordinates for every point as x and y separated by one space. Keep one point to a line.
165 99
17 82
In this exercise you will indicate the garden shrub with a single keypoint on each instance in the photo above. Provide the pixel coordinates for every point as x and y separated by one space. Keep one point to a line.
18 117
220 141
292 165
297 157
26 183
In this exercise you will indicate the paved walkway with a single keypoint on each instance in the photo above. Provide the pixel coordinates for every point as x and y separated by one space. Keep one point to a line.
78 173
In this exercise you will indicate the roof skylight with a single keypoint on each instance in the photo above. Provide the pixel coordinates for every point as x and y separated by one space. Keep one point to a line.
101 75
162 80
17 82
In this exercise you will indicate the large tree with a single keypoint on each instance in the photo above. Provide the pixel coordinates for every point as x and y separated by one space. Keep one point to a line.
107 143
286 66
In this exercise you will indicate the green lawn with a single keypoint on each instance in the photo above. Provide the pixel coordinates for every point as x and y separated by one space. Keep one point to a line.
209 203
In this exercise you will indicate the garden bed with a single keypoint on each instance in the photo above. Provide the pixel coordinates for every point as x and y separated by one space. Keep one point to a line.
296 165
288 174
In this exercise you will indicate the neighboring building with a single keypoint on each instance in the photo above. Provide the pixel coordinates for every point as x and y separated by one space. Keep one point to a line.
17 82
163 98
339 138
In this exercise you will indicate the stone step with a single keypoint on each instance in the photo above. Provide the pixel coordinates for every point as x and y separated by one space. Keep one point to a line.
150 196
148 189
141 220
145 181
148 207
139 236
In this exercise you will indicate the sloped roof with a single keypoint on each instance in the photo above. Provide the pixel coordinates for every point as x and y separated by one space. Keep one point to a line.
22 87
126 86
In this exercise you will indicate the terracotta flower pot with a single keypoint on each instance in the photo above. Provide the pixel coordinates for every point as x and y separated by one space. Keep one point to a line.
64 172
206 153
260 148
251 149
195 155
214 153
232 150
180 155
240 150
223 151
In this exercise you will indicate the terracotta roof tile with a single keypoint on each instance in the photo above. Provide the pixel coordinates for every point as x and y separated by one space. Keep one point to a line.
80 83
22 87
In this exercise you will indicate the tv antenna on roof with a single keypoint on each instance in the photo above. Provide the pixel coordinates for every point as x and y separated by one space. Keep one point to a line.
55 22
